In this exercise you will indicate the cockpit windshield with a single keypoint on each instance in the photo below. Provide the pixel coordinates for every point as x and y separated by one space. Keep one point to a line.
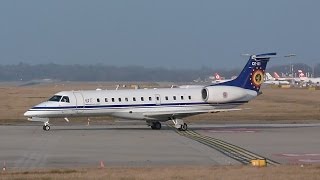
55 98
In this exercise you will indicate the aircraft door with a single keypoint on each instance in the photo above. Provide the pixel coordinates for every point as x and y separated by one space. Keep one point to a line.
158 99
79 101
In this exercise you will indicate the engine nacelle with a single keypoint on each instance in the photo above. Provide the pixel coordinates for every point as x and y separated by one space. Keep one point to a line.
222 94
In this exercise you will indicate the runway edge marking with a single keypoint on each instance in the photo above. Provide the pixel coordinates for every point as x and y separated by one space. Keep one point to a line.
235 152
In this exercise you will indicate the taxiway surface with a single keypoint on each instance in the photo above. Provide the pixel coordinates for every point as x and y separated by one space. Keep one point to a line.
25 147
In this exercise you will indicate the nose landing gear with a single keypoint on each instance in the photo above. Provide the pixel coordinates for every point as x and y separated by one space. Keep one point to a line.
46 126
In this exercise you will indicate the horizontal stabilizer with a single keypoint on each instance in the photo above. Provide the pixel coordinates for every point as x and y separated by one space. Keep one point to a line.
266 54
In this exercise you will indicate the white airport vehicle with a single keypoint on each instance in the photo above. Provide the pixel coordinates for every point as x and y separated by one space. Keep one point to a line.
156 105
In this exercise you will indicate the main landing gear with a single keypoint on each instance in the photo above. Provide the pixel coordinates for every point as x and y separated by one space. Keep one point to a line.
178 124
156 125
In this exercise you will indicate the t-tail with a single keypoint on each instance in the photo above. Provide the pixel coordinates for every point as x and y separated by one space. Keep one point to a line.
276 75
217 76
301 74
252 75
269 77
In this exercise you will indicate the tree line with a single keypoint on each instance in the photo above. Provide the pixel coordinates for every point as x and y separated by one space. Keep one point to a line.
100 72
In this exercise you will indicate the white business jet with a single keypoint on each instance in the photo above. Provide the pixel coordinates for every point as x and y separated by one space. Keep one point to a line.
156 105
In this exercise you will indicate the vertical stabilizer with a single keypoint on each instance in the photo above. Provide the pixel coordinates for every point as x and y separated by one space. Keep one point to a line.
252 75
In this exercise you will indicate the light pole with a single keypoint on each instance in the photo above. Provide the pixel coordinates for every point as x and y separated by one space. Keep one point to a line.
291 65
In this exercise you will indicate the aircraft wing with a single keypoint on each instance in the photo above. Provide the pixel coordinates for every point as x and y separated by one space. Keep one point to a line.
181 114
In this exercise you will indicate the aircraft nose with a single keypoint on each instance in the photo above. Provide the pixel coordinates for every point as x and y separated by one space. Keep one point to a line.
28 114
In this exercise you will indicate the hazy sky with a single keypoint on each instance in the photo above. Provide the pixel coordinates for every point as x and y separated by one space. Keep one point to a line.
167 33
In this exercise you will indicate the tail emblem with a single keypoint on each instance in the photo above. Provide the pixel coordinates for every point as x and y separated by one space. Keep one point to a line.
256 77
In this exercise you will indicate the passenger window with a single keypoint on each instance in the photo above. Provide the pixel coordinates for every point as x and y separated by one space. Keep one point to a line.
98 100
174 98
157 98
134 99
189 97
126 99
181 97
106 99
167 98
150 99
112 99
119 99
142 99
65 99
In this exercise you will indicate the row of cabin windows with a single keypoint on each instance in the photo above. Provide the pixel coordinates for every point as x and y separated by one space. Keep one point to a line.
142 99
175 97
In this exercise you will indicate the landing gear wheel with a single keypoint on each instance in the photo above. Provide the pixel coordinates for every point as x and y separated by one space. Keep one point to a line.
46 127
183 127
156 125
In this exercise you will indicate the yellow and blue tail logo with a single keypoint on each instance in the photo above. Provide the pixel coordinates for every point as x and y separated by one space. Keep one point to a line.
252 75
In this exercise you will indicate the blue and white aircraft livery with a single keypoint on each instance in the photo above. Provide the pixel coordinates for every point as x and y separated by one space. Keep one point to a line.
156 105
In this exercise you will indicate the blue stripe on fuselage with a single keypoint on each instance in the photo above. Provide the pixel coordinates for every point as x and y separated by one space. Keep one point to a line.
135 105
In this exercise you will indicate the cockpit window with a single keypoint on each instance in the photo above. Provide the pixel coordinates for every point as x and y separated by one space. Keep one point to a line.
55 98
65 99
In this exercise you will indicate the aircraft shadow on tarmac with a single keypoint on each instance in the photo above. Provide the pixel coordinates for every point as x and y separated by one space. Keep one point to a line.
106 128
165 127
